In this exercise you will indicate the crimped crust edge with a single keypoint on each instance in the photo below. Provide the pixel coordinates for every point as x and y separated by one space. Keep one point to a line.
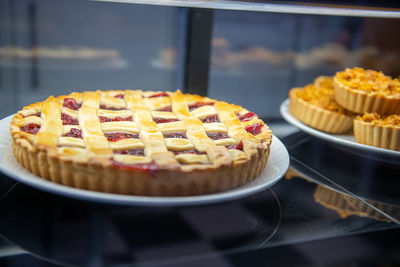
360 101
316 117
111 179
376 135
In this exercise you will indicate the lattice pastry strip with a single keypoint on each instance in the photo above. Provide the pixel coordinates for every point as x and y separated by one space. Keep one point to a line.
133 98
196 133
96 143
51 127
152 137
228 114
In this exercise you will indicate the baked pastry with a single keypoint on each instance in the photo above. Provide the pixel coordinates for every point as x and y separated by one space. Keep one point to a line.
315 106
380 131
360 91
142 143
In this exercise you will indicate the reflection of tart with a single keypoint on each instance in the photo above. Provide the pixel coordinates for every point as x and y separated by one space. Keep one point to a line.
346 205
145 143
315 106
290 173
379 131
360 91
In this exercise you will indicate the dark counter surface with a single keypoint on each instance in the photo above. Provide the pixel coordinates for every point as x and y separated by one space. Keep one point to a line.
332 207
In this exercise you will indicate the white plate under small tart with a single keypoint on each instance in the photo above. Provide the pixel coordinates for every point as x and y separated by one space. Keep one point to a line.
276 167
347 140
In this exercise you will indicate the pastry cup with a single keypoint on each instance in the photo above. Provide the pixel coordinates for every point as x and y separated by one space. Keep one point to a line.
385 136
318 118
361 101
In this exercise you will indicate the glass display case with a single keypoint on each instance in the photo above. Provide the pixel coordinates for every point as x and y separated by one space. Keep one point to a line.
337 204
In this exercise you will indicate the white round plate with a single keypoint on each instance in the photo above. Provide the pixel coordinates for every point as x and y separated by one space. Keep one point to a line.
277 165
341 139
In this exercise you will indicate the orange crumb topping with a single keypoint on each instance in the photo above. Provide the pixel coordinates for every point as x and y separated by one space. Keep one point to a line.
376 119
321 94
370 81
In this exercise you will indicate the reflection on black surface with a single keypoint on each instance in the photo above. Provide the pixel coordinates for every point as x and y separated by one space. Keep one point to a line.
363 176
75 232
82 233
304 219
71 231
346 205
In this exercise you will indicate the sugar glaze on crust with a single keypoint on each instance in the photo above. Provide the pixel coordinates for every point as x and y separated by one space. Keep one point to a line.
141 142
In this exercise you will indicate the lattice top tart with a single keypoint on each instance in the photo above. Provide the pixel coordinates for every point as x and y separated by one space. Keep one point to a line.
141 142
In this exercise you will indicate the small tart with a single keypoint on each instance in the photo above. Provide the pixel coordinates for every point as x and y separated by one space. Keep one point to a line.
380 131
141 143
360 91
315 106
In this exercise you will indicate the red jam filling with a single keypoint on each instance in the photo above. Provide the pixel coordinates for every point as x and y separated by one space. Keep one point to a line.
31 128
159 95
212 118
135 152
189 151
68 120
246 117
255 129
217 135
113 137
105 119
102 106
38 114
119 96
168 109
200 104
71 103
238 146
181 135
146 167
74 133
161 120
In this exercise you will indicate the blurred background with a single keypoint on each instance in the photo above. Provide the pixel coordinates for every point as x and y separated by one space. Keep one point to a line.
57 47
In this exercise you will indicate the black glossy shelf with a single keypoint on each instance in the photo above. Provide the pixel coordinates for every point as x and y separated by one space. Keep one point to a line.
67 231
347 170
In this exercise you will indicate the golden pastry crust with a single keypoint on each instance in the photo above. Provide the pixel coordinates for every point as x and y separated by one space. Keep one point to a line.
141 143
380 131
360 91
315 106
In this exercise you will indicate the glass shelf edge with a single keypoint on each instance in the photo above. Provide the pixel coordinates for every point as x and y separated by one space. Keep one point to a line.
268 7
